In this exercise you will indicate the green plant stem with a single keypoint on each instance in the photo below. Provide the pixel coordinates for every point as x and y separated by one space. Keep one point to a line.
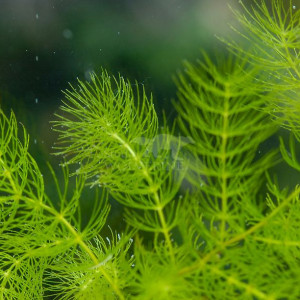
159 206
78 238
201 263
242 285
223 163
84 246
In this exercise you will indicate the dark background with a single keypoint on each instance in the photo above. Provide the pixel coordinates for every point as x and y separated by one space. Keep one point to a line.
44 44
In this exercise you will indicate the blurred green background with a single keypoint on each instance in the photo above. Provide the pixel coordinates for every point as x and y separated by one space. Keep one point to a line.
46 44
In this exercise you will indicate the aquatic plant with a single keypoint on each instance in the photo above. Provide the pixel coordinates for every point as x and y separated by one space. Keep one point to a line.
220 237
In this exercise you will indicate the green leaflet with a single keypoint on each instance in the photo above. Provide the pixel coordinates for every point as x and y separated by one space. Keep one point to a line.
198 225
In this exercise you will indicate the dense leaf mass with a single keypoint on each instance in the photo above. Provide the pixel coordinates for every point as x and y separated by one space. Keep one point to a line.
199 226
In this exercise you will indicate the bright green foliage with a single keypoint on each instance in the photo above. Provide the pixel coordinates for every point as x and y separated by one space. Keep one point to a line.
198 224
40 242
273 32
227 123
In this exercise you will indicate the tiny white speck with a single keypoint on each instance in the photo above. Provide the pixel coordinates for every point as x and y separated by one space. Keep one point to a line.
36 16
35 141
118 32
36 58
294 6
36 100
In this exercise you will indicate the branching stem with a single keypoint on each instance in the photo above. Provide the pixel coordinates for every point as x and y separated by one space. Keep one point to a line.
201 263
66 223
162 218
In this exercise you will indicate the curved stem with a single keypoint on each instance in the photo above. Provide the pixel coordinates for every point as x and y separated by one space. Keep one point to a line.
159 206
201 263
78 238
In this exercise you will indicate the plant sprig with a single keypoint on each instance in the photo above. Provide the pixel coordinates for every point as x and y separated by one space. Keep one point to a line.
198 225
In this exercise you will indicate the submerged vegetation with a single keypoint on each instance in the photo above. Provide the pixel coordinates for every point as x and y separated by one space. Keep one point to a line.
198 224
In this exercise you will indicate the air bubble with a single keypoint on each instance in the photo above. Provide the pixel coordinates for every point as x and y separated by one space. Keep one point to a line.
294 6
67 33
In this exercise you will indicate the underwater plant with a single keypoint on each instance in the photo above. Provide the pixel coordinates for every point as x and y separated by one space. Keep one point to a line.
198 223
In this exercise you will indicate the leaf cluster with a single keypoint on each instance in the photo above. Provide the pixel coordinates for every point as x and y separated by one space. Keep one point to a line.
198 225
